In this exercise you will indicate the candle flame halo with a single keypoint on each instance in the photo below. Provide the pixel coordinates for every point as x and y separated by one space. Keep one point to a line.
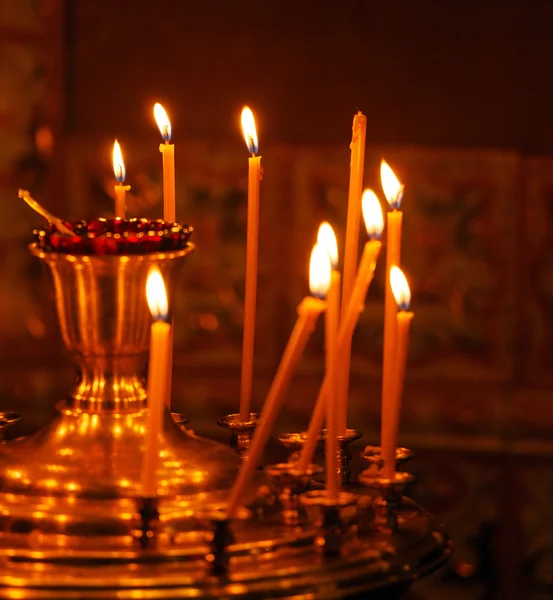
249 130
400 288
118 164
393 189
327 239
162 121
156 295
320 271
372 214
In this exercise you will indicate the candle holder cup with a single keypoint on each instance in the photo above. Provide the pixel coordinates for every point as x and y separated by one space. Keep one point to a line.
242 432
149 519
373 455
289 483
180 420
335 519
7 420
387 494
294 442
344 453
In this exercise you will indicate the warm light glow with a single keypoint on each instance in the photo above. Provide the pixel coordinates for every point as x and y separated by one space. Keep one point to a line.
319 271
372 214
118 164
156 295
327 239
248 128
393 190
400 288
162 121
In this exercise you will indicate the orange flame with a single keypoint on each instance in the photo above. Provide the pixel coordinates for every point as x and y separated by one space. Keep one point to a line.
156 295
320 271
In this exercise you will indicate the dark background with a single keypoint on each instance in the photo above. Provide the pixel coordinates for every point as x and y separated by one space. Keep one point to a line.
458 97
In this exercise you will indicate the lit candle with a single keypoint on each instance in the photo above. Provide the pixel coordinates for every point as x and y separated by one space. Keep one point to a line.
372 213
120 189
392 409
254 177
393 190
168 151
327 239
357 163
308 312
160 351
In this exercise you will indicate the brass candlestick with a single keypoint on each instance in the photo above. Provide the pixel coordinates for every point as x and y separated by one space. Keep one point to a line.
180 420
344 453
7 420
242 431
388 495
294 442
335 520
372 454
289 483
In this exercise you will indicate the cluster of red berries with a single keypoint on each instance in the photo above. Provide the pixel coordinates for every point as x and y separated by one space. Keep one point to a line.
114 236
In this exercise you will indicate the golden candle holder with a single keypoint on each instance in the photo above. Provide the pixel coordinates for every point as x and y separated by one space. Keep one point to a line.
180 419
242 431
7 420
335 520
293 442
344 453
372 454
73 519
388 496
288 484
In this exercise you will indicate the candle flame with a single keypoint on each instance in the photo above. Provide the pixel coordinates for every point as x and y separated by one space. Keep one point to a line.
156 295
320 271
162 121
249 130
400 288
372 214
327 239
118 164
393 190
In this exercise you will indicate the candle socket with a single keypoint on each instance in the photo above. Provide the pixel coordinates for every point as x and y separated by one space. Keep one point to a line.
218 556
372 454
149 521
180 420
242 431
344 453
335 520
288 484
294 442
7 420
387 497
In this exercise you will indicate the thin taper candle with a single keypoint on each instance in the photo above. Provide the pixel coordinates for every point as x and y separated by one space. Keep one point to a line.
402 296
357 163
393 191
308 312
160 350
168 151
250 296
120 190
364 277
327 239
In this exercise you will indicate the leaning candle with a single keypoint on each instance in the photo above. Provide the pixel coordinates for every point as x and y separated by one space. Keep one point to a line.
308 312
372 213
119 189
168 151
327 239
393 190
160 351
357 163
254 177
388 443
